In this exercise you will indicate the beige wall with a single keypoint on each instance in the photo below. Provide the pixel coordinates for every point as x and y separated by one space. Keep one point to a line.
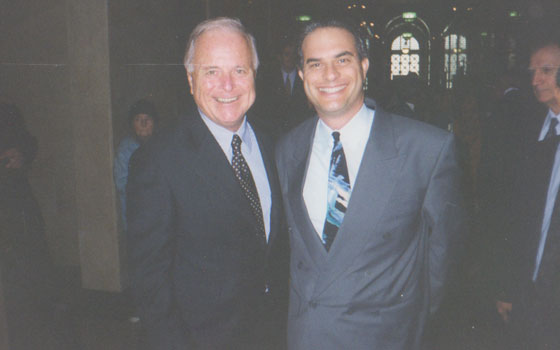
73 67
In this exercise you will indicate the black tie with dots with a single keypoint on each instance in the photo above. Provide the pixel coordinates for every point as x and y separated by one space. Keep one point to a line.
245 179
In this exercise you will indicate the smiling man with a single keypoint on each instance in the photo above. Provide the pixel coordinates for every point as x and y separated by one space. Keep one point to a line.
373 207
204 214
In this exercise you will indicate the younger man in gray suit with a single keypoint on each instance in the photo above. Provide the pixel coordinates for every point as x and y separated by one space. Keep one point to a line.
373 207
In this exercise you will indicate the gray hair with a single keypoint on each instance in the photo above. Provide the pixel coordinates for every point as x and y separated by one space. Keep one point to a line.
232 24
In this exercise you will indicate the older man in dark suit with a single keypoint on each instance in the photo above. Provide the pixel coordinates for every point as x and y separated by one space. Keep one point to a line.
373 207
530 271
204 211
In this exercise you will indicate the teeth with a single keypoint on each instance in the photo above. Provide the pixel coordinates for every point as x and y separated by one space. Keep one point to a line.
331 90
227 100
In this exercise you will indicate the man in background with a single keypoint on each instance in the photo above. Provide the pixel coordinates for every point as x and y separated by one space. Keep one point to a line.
529 297
282 103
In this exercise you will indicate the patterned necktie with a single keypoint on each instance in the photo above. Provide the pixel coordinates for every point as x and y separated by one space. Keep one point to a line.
245 179
338 193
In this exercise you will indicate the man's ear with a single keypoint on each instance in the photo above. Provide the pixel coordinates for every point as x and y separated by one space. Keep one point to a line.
300 73
190 79
365 66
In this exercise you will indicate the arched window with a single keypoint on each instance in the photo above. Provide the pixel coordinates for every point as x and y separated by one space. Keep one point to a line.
405 55
455 57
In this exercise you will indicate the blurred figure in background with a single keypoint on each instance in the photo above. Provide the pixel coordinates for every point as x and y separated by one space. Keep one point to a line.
281 101
142 118
26 269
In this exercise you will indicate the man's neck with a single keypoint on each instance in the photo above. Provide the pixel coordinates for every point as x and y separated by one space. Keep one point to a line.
337 122
555 108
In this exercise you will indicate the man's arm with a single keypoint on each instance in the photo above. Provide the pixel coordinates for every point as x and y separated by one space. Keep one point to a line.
444 216
151 252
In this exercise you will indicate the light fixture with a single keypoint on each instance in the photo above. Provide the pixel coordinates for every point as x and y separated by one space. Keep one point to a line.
409 16
303 18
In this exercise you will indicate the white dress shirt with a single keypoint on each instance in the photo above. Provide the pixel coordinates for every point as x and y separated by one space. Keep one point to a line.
252 154
553 185
354 137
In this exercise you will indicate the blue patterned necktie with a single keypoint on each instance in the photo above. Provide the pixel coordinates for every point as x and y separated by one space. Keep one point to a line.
245 179
338 193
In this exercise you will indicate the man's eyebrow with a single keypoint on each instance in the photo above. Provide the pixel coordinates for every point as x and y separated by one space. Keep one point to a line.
309 60
343 53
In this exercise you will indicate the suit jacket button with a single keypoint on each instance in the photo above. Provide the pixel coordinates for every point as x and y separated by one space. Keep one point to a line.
300 265
313 304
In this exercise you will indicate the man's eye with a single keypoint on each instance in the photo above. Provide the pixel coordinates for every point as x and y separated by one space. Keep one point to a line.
241 71
547 70
211 72
315 65
343 60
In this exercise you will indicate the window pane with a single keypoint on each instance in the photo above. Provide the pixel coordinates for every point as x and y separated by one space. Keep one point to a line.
414 44
396 45
462 42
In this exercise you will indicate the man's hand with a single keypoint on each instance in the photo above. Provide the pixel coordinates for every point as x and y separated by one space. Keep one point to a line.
504 309
14 158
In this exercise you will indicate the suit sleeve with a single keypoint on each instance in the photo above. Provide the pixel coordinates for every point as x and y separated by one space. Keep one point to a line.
443 217
151 252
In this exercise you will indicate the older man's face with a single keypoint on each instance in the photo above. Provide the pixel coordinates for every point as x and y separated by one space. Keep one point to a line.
543 66
223 80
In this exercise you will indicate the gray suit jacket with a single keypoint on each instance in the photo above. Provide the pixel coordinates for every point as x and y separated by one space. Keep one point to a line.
388 263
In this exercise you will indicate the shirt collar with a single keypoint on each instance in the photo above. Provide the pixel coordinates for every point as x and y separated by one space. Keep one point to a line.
356 131
224 136
510 89
546 124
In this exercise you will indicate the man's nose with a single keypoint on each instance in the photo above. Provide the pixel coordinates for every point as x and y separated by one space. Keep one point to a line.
536 78
331 72
227 82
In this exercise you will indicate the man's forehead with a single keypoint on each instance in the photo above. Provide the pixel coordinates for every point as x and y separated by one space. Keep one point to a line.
320 39
224 66
547 54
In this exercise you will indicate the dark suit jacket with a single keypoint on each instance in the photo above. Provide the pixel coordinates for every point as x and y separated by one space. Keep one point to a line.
524 214
201 276
535 317
387 266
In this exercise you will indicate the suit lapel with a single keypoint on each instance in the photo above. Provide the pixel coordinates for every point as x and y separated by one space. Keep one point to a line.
275 196
376 179
218 174
295 196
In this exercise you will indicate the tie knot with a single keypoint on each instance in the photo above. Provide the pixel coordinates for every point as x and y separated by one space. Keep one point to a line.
336 137
236 143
